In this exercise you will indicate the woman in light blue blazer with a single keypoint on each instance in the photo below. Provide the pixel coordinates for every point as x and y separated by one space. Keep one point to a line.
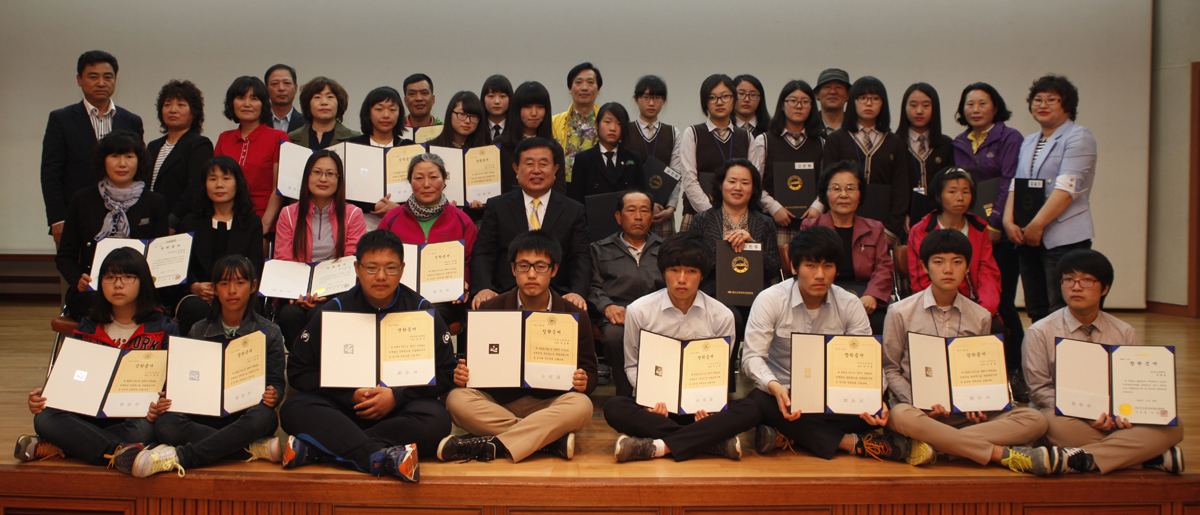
1062 154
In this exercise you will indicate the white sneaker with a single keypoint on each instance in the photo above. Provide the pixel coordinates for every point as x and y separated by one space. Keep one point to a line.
152 461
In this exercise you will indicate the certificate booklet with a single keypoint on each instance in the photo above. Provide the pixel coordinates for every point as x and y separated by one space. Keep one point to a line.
215 379
837 374
1029 195
985 197
424 134
364 350
661 180
687 376
739 274
455 171
285 279
962 374
436 270
601 211
523 349
795 186
102 381
481 171
1136 382
397 161
167 256
370 171
875 202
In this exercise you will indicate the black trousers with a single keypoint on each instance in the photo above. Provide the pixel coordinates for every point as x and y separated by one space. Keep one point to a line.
351 440
1043 295
612 337
685 436
1005 254
202 440
292 319
818 433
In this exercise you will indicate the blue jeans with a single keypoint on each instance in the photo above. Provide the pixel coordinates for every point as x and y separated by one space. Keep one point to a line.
201 440
90 438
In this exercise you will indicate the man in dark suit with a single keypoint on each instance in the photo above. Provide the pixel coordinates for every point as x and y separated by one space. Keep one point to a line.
281 83
533 206
72 133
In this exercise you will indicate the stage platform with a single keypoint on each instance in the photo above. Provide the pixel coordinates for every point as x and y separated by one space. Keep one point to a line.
592 482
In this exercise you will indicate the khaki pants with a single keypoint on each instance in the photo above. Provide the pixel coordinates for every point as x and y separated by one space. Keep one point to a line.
1114 450
957 436
524 425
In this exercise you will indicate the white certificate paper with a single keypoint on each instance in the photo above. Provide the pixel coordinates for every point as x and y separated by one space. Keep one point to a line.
333 277
283 279
349 350
79 378
441 271
658 371
365 172
494 350
455 188
103 248
412 254
1081 387
704 380
292 158
808 373
551 350
406 349
194 376
168 259
1143 384
929 371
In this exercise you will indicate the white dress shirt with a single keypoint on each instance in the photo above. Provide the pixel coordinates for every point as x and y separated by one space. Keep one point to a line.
689 179
541 209
707 318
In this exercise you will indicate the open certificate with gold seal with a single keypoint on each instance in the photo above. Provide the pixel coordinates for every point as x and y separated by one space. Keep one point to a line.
837 374
962 374
167 256
436 271
1140 383
481 173
215 379
365 350
686 376
551 350
523 349
102 381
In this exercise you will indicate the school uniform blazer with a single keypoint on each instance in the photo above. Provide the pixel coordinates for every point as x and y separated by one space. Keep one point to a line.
504 218
181 174
67 155
888 166
872 263
941 155
591 176
1067 162
245 239
147 220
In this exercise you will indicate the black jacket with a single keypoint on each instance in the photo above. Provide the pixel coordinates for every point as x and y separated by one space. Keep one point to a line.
504 219
276 355
245 239
85 217
591 177
182 174
304 362
761 227
67 155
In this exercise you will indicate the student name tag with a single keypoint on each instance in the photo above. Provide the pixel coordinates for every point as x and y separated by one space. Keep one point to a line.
804 166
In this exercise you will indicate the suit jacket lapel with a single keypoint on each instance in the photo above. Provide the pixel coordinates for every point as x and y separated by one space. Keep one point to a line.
517 206
553 208
84 122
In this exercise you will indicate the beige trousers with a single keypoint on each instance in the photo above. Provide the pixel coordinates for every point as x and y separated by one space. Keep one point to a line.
1114 450
524 425
957 436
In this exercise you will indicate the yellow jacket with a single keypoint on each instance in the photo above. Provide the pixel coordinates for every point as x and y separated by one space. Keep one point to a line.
558 123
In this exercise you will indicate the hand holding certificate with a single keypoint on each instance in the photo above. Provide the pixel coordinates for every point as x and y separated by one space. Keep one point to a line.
523 349
167 256
685 376
1136 382
101 381
285 279
837 374
962 374
215 379
359 350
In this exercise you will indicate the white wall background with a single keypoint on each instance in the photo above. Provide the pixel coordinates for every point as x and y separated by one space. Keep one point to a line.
1103 46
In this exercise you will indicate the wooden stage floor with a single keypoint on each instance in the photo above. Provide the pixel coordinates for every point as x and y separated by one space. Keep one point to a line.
593 481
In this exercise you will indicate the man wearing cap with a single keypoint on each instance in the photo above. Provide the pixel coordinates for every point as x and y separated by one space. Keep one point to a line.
833 89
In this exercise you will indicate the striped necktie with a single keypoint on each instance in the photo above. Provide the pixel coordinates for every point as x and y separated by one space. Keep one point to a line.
534 223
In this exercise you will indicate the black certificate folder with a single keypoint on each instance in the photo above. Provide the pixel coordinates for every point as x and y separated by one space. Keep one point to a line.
660 181
795 186
1029 195
739 274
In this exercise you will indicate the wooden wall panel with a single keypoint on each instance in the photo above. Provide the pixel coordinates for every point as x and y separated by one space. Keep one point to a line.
1146 509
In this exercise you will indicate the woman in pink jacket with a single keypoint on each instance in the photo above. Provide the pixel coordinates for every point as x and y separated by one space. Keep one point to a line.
329 229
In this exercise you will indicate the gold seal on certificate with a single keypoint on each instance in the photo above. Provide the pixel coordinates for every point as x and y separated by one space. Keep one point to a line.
961 374
1140 383
481 171
406 348
551 349
424 134
245 372
854 374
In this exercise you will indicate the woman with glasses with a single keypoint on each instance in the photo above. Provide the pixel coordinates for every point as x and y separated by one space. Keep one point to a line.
649 137
1063 155
426 217
323 102
750 110
329 229
705 147
465 130
864 244
866 137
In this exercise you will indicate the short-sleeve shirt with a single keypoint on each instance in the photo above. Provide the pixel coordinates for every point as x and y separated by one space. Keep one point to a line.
257 154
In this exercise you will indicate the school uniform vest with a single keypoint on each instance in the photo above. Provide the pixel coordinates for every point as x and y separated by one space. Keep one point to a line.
780 151
660 147
710 156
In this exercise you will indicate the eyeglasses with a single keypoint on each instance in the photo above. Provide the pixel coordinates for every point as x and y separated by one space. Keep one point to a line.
793 103
837 188
869 99
720 99
1085 283
466 117
657 99
324 175
373 270
540 267
748 95
125 279
1046 101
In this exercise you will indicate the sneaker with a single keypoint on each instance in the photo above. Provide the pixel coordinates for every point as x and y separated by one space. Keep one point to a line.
123 457
31 447
890 446
731 448
1034 460
1071 460
1170 461
629 448
269 448
399 461
920 453
159 459
467 448
767 439
563 447
297 452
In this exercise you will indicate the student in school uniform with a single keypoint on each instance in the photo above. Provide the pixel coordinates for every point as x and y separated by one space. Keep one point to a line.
190 441
649 137
517 422
866 136
180 155
126 315
328 229
706 146
496 93
607 167
120 206
809 303
575 128
680 311
373 430
323 102
750 111
927 152
527 117
793 136
982 437
988 149
1110 442
254 144
465 130
379 117
222 223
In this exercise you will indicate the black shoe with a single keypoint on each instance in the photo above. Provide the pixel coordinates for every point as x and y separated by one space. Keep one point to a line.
1020 389
1071 460
1170 461
890 446
731 448
768 439
467 448
630 448
563 447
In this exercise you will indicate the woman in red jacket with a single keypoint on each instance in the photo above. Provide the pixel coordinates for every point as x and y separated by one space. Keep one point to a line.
427 217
